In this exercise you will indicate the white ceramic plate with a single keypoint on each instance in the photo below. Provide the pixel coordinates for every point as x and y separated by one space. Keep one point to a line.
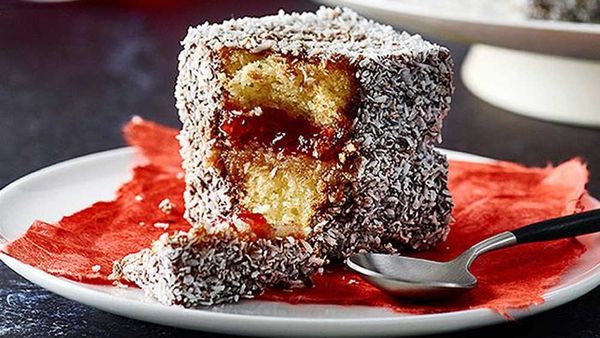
491 22
67 187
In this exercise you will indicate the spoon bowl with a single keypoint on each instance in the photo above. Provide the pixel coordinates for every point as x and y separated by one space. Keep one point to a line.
413 277
417 278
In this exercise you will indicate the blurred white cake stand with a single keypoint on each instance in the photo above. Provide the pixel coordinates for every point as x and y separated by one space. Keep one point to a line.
544 69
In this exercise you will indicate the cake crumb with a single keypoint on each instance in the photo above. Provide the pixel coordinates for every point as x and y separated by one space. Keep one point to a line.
256 111
273 172
120 285
139 197
166 206
350 148
136 119
263 46
96 268
161 225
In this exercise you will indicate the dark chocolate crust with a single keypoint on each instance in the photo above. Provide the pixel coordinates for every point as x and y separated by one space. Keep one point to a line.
219 266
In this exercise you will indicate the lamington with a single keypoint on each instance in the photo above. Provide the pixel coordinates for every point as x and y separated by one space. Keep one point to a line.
564 10
306 138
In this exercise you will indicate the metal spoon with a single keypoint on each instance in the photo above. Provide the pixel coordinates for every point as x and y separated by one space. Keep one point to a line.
419 278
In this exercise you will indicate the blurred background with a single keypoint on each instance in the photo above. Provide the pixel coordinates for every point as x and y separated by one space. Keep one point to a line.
72 73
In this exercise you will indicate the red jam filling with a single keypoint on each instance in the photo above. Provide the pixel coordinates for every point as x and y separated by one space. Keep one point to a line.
258 223
283 133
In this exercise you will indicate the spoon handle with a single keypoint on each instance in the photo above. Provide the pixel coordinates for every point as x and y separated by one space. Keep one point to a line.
562 227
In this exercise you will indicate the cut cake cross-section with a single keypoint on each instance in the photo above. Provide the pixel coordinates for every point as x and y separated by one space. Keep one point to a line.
310 132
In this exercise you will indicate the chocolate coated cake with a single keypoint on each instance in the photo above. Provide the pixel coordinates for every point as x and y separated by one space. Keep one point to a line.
564 10
306 138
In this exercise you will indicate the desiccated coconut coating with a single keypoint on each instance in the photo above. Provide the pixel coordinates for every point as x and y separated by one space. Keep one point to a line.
393 197
221 265
404 94
406 207
565 10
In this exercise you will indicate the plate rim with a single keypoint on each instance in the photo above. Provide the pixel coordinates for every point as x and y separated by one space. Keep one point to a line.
474 317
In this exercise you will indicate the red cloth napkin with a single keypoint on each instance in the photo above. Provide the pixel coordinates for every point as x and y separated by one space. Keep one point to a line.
489 198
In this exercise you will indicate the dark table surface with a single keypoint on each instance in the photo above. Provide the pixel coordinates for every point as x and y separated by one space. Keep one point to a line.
71 75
